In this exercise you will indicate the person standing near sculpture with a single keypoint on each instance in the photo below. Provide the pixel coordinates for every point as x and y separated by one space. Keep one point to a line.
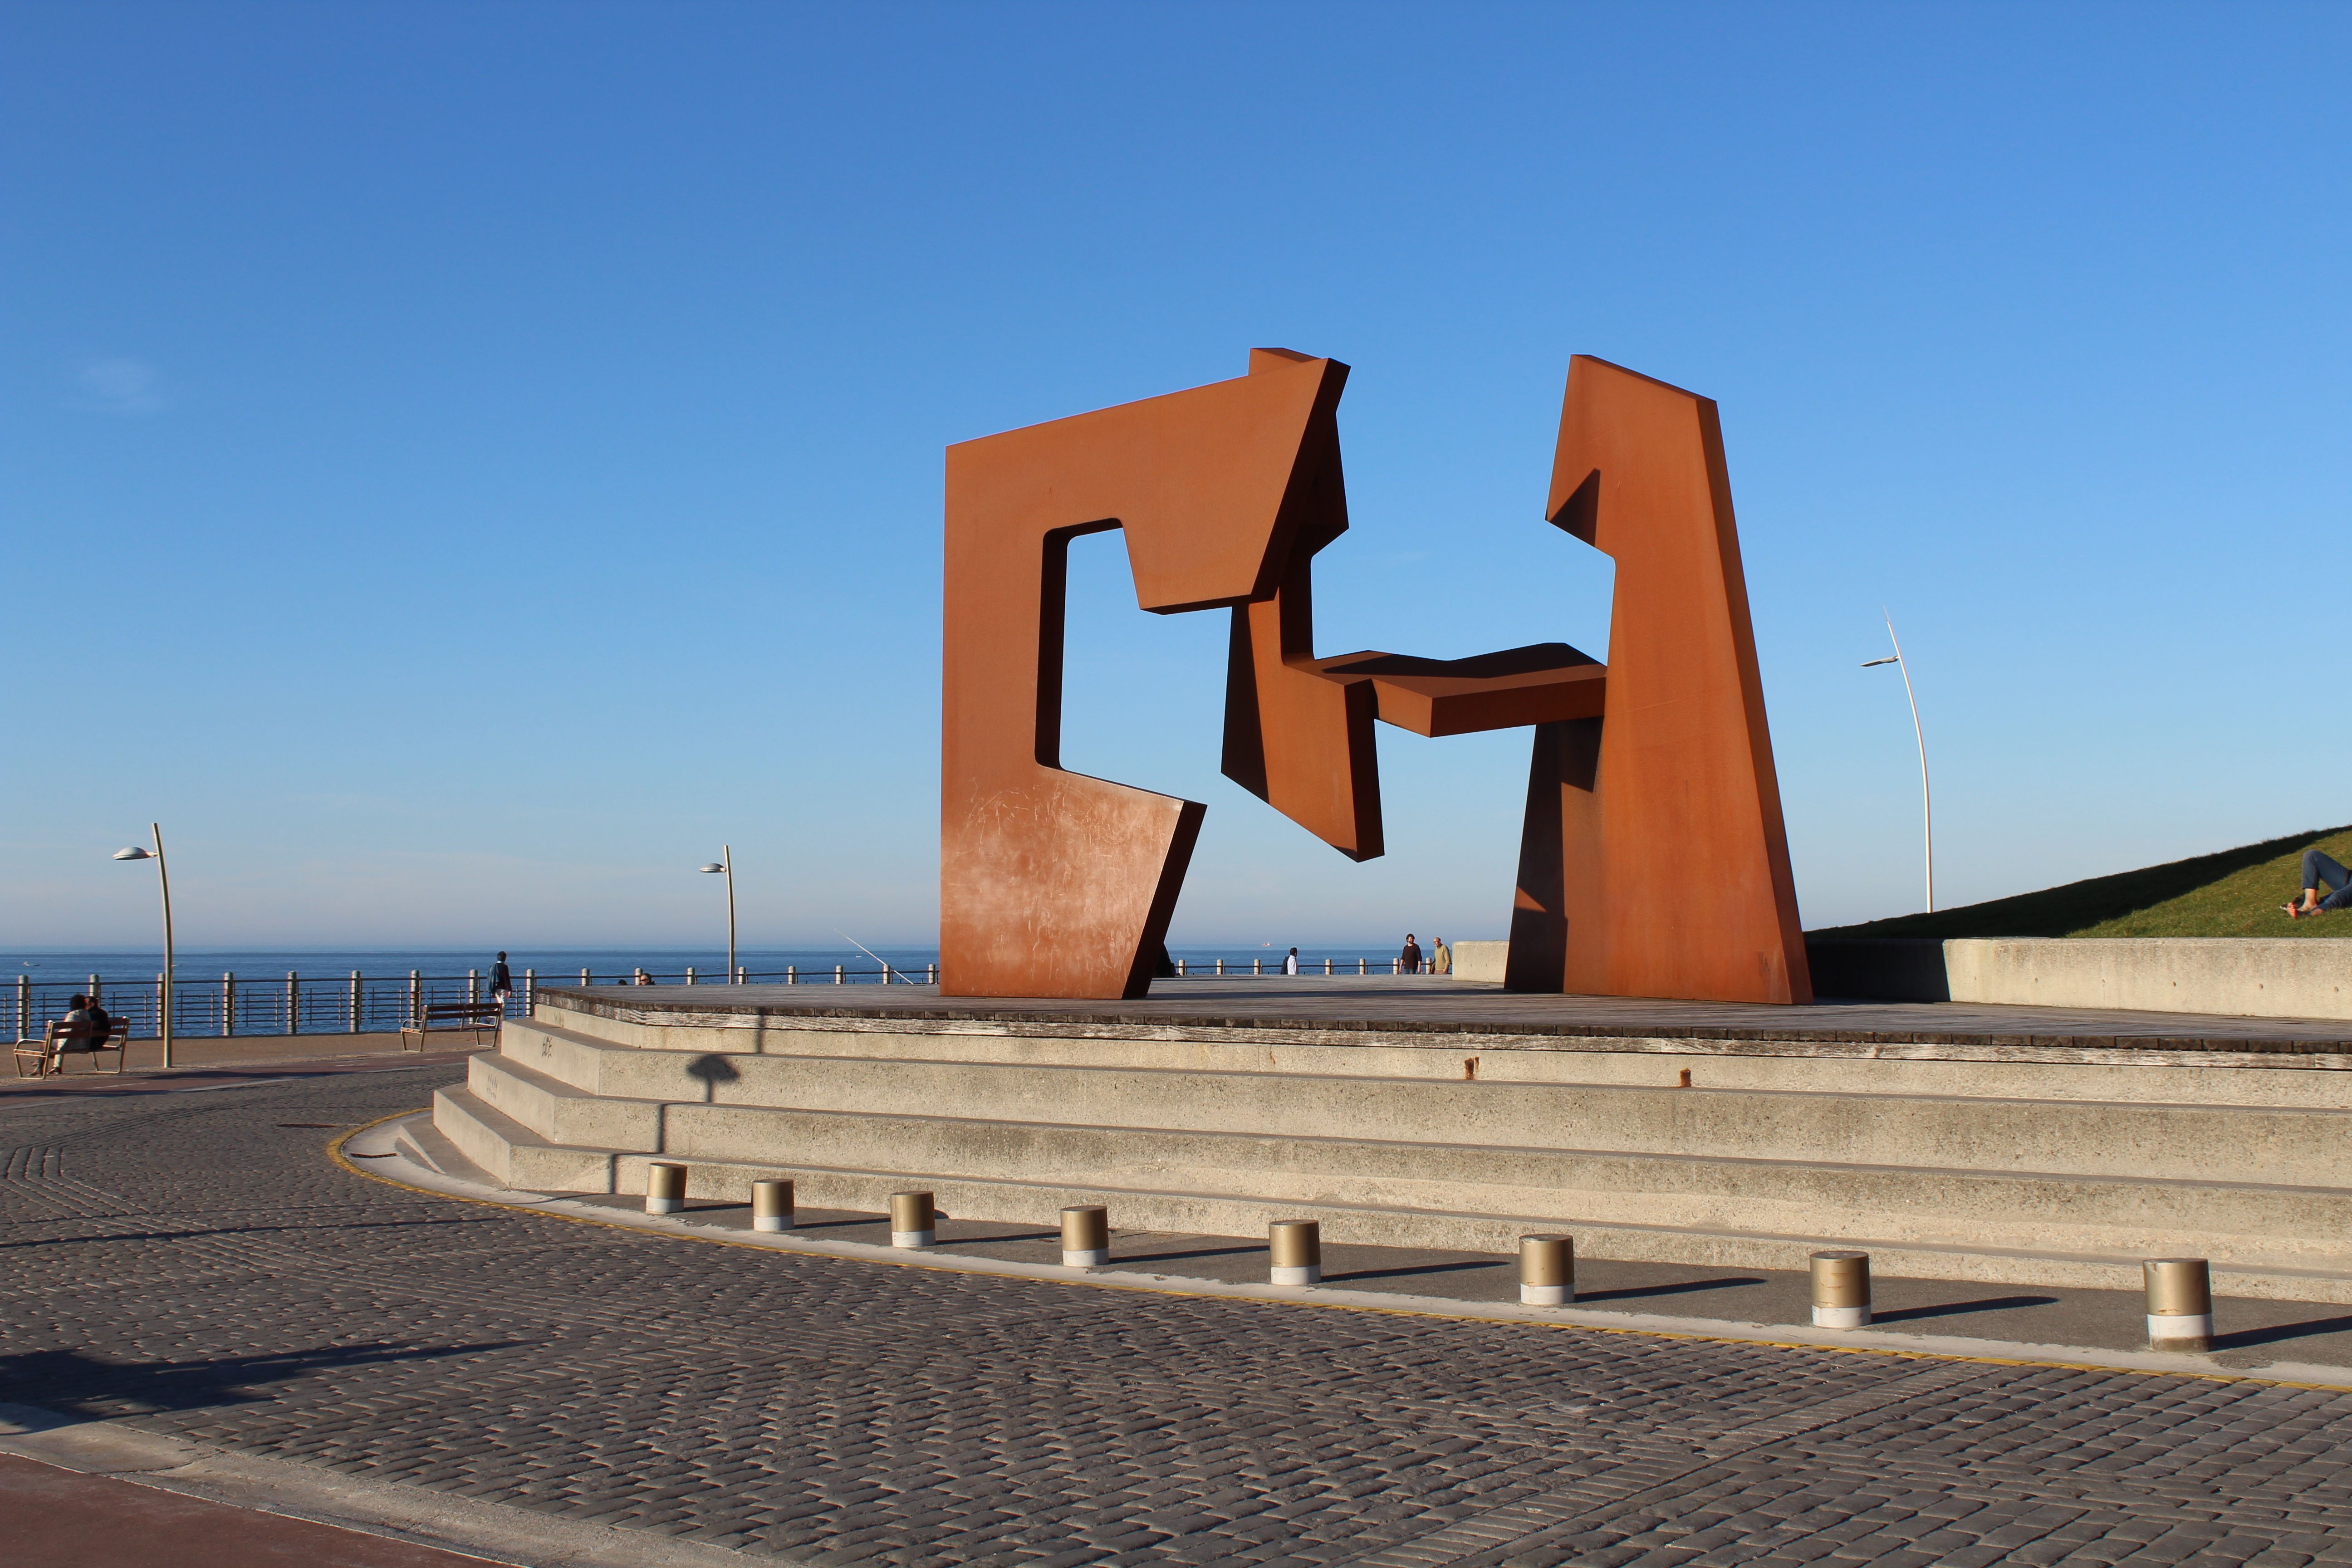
1409 961
1441 958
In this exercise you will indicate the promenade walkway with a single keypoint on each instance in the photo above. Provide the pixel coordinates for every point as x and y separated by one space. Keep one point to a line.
186 1265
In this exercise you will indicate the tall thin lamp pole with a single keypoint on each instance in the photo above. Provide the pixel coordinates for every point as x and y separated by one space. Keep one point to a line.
726 865
163 875
1927 804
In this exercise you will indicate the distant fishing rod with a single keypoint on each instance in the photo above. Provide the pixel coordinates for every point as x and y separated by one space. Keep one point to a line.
887 970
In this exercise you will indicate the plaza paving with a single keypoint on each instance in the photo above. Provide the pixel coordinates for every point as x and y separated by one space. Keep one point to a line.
182 1256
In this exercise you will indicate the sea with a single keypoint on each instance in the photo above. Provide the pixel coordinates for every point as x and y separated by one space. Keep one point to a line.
554 965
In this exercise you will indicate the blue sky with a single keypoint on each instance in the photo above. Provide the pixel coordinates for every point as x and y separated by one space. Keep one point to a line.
466 461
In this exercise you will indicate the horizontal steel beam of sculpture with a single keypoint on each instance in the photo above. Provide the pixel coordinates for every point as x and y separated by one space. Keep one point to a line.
1653 860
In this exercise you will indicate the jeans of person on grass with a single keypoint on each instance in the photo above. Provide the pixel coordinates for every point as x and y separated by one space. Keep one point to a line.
2326 871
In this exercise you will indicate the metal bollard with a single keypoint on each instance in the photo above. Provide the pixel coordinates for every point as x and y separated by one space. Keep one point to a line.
1086 1236
913 1221
1547 1270
1840 1289
665 1187
1296 1252
2180 1304
771 1205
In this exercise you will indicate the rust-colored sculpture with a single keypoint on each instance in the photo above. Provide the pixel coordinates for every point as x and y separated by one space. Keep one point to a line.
1051 883
1654 865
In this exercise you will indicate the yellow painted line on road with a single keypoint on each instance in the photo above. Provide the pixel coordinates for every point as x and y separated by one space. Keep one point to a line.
335 1152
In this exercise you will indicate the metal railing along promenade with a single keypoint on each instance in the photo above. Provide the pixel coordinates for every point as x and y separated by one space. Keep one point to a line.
358 1003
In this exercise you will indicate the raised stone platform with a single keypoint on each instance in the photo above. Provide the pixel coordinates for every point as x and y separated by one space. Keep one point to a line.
2028 1145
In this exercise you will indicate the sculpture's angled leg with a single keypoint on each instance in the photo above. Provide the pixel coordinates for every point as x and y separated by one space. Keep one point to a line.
1673 873
1051 883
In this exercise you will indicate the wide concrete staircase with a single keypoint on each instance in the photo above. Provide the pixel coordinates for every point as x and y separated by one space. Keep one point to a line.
2061 1169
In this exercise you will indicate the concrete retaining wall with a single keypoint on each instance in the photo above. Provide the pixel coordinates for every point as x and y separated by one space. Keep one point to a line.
2251 977
1481 960
2255 977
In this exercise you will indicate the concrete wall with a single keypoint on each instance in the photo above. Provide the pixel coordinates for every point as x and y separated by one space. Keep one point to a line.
2257 977
2252 977
1480 961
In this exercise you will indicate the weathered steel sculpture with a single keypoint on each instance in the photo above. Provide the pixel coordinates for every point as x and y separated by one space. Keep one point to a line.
1051 883
1654 864
1655 861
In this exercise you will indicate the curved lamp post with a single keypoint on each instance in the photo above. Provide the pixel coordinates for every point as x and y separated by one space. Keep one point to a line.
1927 814
725 866
163 874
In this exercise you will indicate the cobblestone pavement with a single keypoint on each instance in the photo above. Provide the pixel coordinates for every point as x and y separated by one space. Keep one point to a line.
194 1262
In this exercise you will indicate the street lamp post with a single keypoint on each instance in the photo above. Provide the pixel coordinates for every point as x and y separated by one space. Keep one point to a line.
725 864
163 875
1926 809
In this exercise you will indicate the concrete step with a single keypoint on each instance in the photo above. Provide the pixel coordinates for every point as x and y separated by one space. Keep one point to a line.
2267 1224
423 1145
499 1145
562 1113
2270 1225
2289 1145
1998 1072
515 1156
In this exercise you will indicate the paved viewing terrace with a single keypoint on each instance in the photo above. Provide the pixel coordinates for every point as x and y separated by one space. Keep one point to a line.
199 1295
1428 1003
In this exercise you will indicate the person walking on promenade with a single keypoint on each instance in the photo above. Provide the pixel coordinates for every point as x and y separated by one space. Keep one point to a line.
1441 958
1409 961
501 981
1290 962
2322 871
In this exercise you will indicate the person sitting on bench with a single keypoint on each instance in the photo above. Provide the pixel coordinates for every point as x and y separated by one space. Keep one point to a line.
2322 871
85 1015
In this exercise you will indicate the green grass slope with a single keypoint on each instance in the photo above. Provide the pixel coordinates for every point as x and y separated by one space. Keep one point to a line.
2234 893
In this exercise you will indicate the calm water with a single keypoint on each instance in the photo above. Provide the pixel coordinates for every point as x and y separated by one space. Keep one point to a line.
555 965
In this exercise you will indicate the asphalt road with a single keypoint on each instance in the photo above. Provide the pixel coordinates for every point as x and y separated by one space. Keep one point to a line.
187 1259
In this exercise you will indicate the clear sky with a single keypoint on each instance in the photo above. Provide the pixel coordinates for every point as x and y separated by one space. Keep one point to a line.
465 462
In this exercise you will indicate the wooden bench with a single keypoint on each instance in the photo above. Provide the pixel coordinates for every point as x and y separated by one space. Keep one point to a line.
481 1018
48 1053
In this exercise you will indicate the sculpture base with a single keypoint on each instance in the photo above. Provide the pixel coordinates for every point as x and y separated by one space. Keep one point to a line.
2022 1145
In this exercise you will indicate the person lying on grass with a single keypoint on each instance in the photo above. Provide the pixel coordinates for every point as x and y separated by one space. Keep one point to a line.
2321 871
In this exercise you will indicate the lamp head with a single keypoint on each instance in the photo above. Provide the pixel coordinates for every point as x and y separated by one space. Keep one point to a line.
714 865
134 853
1873 664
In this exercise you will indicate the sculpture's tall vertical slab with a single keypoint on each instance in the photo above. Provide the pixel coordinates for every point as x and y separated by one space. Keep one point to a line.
1655 861
1053 883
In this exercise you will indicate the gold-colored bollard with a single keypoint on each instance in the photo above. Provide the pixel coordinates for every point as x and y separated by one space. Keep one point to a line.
913 1221
1547 1270
1840 1289
2180 1304
1296 1246
771 1205
665 1187
1086 1236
